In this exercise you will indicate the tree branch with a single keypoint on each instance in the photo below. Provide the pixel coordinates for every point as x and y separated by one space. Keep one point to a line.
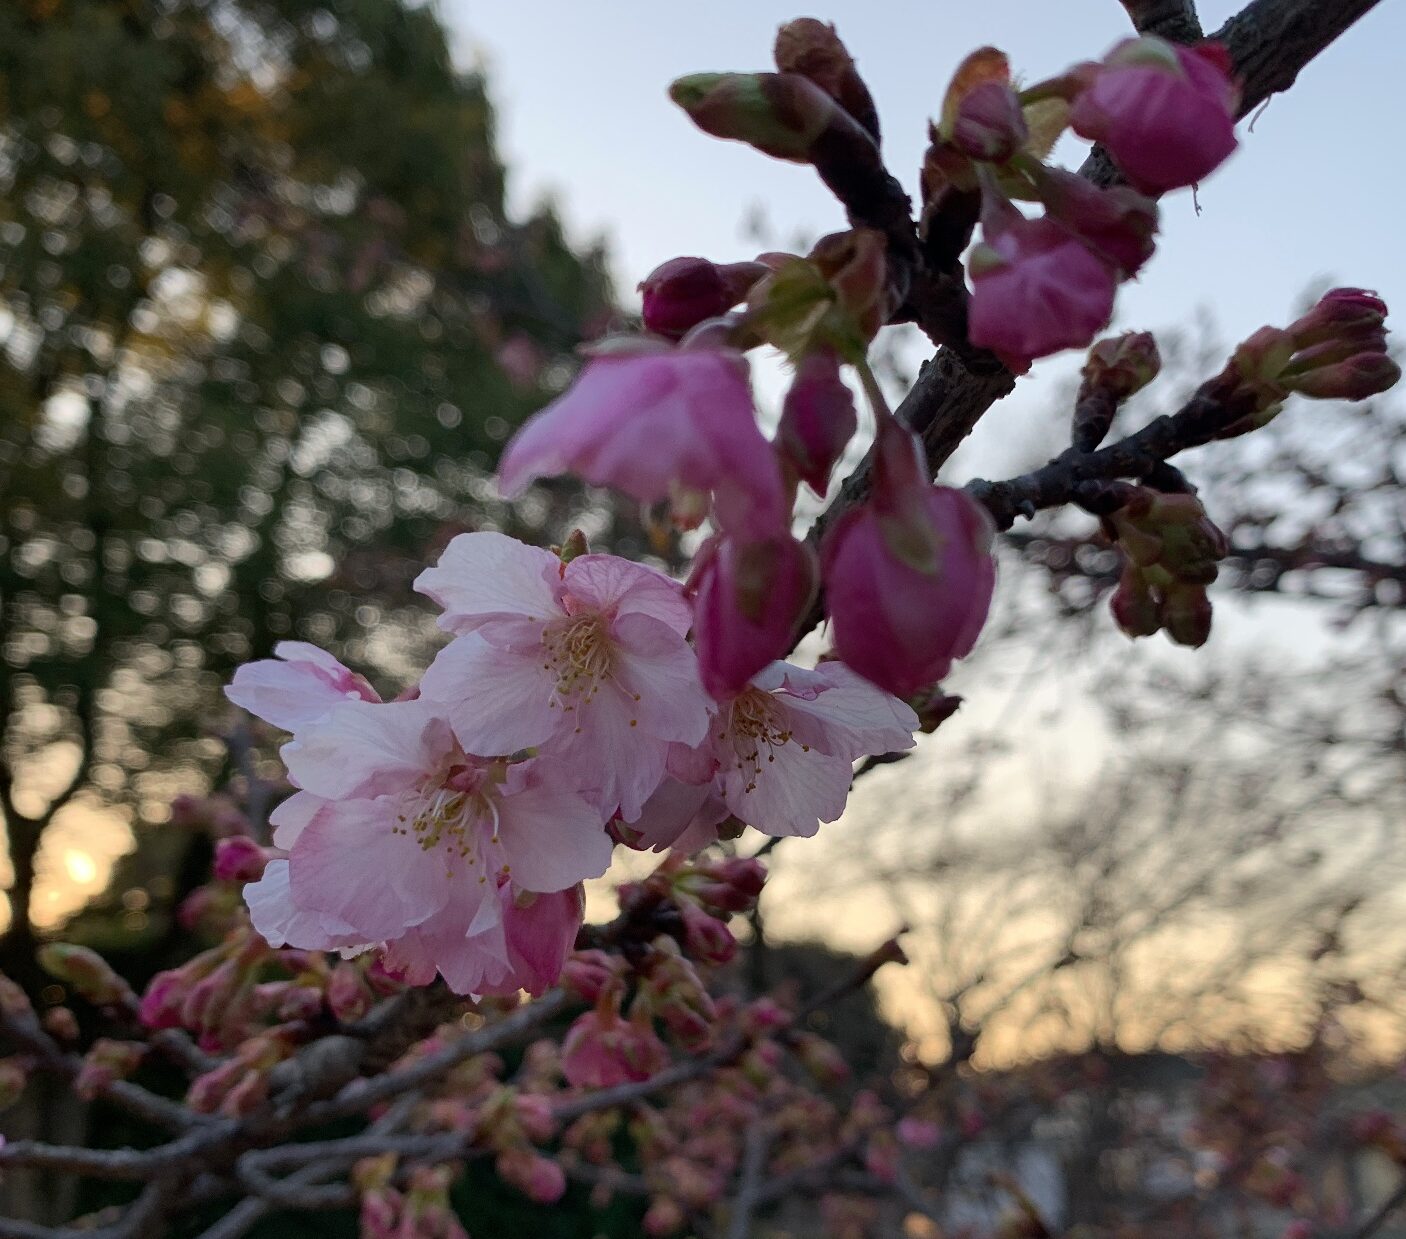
1168 19
1270 42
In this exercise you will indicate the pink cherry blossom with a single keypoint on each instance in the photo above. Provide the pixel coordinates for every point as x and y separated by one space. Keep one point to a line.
585 662
659 424
782 751
747 601
298 686
1166 114
401 834
1036 288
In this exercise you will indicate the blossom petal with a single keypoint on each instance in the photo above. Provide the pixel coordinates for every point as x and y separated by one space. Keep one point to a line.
350 862
367 749
618 587
552 839
498 701
485 575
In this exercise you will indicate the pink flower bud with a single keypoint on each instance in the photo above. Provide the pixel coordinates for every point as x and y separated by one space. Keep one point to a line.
61 1024
589 974
1166 114
105 1063
683 292
239 859
818 420
665 1216
538 1178
747 600
705 937
731 884
602 1050
1357 378
165 996
1339 310
347 995
908 581
1036 289
989 124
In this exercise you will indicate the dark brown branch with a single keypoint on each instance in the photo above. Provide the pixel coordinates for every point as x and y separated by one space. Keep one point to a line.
1168 19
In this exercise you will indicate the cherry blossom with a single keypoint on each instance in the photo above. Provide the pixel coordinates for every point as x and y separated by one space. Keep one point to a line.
659 423
585 662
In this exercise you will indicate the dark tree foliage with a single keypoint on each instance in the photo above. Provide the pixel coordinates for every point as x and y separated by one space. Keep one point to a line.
263 323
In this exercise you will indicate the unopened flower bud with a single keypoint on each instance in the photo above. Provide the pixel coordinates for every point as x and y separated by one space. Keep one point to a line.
781 114
61 1024
239 859
348 996
812 49
105 1063
748 598
706 938
1117 368
1339 310
683 292
1357 378
820 1058
989 124
818 419
588 974
87 972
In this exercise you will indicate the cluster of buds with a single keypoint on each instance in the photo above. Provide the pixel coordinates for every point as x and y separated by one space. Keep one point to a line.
215 993
1337 351
421 1211
511 1124
1171 551
816 109
1164 113
1117 369
240 1083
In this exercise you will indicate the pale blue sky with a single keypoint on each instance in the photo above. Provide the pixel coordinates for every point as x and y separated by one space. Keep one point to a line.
1314 191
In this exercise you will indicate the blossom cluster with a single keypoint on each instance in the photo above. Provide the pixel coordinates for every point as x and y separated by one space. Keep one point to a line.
451 830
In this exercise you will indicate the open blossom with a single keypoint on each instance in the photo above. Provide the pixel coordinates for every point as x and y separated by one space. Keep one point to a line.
585 662
659 423
782 751
297 686
1166 114
409 835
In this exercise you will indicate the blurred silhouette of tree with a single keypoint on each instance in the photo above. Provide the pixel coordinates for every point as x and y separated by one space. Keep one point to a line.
263 322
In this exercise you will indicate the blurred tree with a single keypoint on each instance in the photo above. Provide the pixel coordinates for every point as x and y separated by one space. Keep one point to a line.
263 321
